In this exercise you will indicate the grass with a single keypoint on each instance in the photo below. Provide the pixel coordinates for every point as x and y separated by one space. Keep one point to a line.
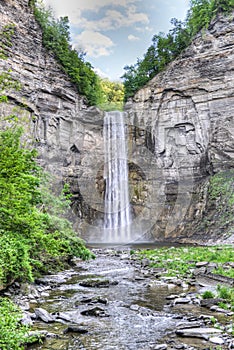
182 260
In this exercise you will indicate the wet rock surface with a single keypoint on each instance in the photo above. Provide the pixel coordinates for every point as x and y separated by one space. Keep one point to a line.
136 310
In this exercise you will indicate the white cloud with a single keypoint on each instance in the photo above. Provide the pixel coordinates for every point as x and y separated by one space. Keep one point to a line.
101 74
94 43
133 38
68 7
114 19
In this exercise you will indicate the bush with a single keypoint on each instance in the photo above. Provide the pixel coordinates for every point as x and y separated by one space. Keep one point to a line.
34 236
12 333
208 295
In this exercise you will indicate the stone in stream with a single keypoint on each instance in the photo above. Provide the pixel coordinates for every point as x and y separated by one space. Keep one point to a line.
26 320
75 329
210 302
202 264
160 347
204 333
44 315
96 311
92 300
216 340
182 301
97 283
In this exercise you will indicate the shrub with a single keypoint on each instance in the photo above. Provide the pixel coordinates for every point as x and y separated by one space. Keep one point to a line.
12 333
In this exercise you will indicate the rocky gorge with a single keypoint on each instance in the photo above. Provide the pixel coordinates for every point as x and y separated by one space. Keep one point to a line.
180 134
119 301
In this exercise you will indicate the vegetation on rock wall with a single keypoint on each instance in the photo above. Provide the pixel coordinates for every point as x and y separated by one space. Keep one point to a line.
166 47
105 94
5 39
56 38
34 236
220 204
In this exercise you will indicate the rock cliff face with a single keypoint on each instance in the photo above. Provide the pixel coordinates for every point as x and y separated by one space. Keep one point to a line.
184 118
66 133
180 130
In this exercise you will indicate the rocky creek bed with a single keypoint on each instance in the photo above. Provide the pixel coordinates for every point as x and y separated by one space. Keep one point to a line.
119 302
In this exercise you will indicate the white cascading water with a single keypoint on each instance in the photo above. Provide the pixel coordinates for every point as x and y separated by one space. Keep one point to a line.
117 218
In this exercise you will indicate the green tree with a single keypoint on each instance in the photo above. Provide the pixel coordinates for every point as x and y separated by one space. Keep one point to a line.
56 38
112 95
166 47
33 236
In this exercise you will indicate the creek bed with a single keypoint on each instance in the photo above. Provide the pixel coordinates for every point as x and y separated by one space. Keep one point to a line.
113 303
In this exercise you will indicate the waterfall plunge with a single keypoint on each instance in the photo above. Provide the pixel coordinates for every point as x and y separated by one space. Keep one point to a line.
117 217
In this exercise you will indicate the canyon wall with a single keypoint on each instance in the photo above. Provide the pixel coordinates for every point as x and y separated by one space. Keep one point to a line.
180 132
184 121
57 121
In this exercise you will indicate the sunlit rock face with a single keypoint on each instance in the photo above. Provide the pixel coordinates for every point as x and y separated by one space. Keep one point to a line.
186 120
180 129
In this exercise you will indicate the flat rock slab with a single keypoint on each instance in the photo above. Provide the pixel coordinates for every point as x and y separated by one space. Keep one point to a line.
97 283
44 315
198 332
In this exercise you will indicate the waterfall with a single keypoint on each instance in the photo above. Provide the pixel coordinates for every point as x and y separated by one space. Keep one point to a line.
117 216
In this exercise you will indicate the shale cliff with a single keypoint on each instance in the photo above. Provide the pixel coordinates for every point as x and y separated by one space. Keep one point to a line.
184 119
64 130
180 127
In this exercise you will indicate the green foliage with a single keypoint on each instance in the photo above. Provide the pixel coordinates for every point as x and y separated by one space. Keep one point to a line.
34 236
12 333
180 261
56 38
166 47
112 95
208 295
6 39
7 83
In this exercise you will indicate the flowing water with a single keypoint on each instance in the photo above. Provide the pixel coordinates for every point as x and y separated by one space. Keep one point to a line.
131 313
117 219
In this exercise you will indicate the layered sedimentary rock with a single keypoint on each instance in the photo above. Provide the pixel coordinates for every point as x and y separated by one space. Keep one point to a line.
185 116
180 129
67 134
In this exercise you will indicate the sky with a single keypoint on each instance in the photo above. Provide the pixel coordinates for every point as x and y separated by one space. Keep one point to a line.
114 33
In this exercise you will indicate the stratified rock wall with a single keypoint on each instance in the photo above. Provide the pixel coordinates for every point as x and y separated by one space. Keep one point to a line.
67 134
186 117
180 129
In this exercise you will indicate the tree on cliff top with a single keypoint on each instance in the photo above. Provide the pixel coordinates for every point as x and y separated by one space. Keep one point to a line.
166 47
56 38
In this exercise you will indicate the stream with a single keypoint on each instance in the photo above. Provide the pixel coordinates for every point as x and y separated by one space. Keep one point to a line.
111 302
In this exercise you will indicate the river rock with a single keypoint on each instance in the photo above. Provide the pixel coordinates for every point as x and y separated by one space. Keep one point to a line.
184 325
26 320
216 340
44 315
96 311
210 302
75 329
197 332
182 301
161 347
97 283
64 316
201 264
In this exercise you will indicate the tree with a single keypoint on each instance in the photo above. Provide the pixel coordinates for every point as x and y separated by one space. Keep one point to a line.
166 47
56 38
